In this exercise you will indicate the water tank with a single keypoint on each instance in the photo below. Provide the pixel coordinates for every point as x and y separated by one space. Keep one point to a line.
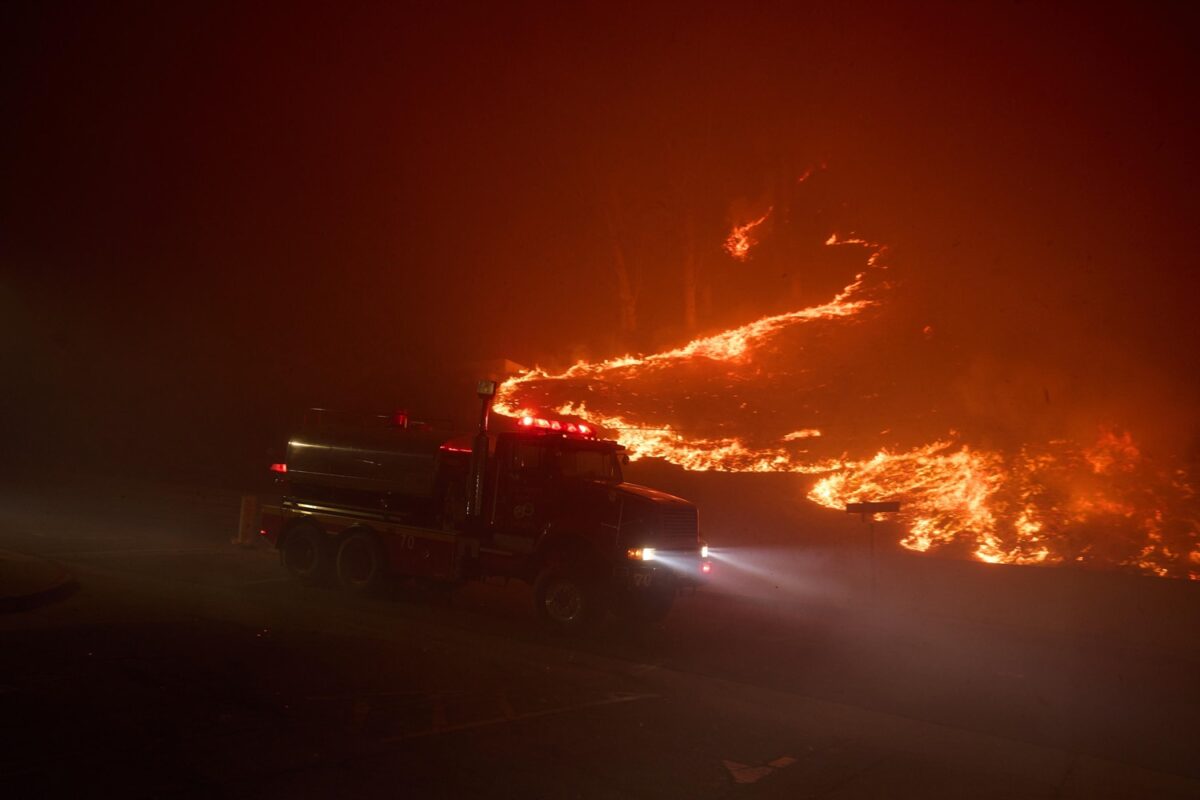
392 462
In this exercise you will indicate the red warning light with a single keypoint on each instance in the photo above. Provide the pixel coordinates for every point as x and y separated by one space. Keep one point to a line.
280 468
530 421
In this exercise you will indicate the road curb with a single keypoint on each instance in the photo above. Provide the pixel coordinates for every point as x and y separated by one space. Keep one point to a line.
27 582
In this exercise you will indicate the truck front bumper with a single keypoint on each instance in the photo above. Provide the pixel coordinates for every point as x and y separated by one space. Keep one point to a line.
666 570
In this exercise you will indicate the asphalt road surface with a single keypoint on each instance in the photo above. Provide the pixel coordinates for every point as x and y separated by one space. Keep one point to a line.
186 666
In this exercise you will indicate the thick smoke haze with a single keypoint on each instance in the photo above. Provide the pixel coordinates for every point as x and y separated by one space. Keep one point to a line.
215 218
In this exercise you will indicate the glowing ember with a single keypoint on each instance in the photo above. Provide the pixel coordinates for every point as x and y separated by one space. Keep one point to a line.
1102 503
834 240
742 238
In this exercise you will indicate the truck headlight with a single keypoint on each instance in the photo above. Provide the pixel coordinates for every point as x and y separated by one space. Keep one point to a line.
704 551
641 554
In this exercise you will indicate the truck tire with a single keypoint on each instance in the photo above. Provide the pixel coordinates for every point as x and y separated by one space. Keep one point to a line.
305 554
361 565
568 600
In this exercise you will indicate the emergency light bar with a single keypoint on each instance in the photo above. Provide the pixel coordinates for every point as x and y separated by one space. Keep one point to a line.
554 426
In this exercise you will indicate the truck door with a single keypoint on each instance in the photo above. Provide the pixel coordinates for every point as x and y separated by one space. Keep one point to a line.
524 494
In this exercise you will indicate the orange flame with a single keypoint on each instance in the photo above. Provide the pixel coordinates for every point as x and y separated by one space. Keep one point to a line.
1059 502
730 345
1045 504
742 238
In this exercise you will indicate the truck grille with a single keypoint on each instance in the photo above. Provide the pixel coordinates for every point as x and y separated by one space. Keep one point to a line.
678 529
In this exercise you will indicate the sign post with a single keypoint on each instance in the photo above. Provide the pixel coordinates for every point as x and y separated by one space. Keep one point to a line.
247 521
868 511
486 392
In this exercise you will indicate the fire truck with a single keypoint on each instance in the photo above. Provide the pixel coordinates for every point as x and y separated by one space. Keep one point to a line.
536 499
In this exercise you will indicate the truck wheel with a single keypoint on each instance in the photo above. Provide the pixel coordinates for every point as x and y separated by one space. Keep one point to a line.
360 563
305 554
567 600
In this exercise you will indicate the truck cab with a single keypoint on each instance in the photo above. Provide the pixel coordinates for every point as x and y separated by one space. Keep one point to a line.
544 485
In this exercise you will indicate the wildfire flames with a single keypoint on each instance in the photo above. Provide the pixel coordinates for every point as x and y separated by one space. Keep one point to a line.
1101 503
742 237
1053 503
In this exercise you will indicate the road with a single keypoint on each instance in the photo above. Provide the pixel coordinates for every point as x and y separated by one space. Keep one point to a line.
186 666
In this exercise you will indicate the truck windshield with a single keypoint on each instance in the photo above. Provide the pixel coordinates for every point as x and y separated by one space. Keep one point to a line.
591 464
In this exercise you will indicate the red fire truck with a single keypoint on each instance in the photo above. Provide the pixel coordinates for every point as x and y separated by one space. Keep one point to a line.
541 500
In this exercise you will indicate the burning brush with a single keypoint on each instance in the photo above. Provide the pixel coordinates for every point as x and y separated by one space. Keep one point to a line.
1100 503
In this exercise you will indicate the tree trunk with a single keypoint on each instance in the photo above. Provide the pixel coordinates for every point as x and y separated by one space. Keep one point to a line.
689 274
626 292
627 283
